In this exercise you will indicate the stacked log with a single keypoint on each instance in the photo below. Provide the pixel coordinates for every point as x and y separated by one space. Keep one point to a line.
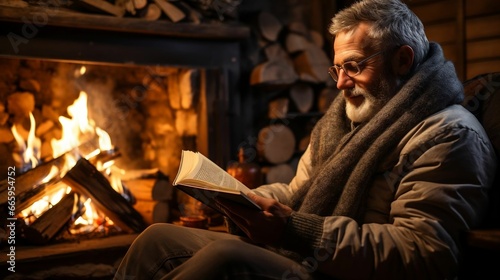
193 11
292 72
153 195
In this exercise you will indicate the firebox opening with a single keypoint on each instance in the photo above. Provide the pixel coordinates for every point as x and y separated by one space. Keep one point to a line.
149 114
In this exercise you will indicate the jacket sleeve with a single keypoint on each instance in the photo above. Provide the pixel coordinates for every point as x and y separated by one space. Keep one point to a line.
440 190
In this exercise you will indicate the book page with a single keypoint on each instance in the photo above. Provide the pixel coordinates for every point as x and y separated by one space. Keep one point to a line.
207 171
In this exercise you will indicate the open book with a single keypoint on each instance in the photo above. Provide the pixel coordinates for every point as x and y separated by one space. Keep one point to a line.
204 180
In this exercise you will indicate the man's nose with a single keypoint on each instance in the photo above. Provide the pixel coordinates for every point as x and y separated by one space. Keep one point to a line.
344 81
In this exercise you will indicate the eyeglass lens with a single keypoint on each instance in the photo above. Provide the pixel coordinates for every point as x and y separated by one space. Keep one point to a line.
350 68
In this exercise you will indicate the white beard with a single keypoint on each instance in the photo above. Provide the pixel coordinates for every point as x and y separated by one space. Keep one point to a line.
372 104
365 111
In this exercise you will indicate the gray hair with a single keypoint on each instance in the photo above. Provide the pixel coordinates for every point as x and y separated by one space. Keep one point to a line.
392 24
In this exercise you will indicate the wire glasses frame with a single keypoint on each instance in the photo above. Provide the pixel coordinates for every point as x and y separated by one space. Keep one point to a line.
351 68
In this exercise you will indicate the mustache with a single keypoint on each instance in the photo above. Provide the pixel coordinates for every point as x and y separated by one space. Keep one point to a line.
355 92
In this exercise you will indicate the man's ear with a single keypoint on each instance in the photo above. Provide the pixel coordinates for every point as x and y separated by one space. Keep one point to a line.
403 60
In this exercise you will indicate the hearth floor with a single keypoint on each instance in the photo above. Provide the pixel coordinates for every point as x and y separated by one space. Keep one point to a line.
89 259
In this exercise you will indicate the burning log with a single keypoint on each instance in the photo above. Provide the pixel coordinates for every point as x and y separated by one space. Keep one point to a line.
36 182
105 156
30 182
51 222
87 180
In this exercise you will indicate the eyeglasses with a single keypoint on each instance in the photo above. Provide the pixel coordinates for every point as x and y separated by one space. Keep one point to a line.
351 68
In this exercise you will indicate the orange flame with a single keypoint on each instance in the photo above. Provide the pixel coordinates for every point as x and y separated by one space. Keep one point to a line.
76 131
30 149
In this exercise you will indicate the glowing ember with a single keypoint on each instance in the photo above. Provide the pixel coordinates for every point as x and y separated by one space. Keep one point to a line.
44 204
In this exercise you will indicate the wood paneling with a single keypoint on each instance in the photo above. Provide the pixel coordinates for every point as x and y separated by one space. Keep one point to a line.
442 32
450 52
483 49
481 7
483 27
476 68
468 30
436 11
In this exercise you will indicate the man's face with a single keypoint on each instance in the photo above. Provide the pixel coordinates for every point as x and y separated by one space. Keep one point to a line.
367 92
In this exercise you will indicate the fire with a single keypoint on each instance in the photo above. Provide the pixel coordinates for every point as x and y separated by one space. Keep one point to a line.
44 204
77 131
30 149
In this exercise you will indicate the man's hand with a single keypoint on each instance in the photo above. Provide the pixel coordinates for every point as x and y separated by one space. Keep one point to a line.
267 226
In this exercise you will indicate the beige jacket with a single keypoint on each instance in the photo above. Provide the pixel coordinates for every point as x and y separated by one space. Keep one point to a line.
427 192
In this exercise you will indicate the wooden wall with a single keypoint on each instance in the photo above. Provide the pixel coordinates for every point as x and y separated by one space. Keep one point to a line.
468 30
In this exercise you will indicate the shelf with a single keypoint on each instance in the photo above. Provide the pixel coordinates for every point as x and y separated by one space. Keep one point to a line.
60 17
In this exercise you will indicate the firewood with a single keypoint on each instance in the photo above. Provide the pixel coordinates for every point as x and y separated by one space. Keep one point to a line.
314 62
298 27
276 143
194 15
153 211
307 77
150 12
141 189
317 38
51 222
278 108
140 4
171 11
281 173
275 52
134 174
127 5
273 72
269 26
149 189
296 43
302 96
87 180
28 182
45 190
104 6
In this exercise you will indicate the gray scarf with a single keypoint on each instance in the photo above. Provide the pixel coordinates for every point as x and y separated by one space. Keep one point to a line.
344 161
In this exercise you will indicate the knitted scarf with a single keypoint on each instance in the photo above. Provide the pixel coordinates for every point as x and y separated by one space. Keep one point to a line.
344 160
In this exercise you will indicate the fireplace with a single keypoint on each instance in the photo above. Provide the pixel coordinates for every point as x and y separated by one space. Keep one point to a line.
126 67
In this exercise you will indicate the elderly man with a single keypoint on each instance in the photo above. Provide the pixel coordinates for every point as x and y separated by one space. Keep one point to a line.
395 171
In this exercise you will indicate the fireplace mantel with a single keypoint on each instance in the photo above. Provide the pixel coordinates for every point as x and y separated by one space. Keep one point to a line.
37 32
67 18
